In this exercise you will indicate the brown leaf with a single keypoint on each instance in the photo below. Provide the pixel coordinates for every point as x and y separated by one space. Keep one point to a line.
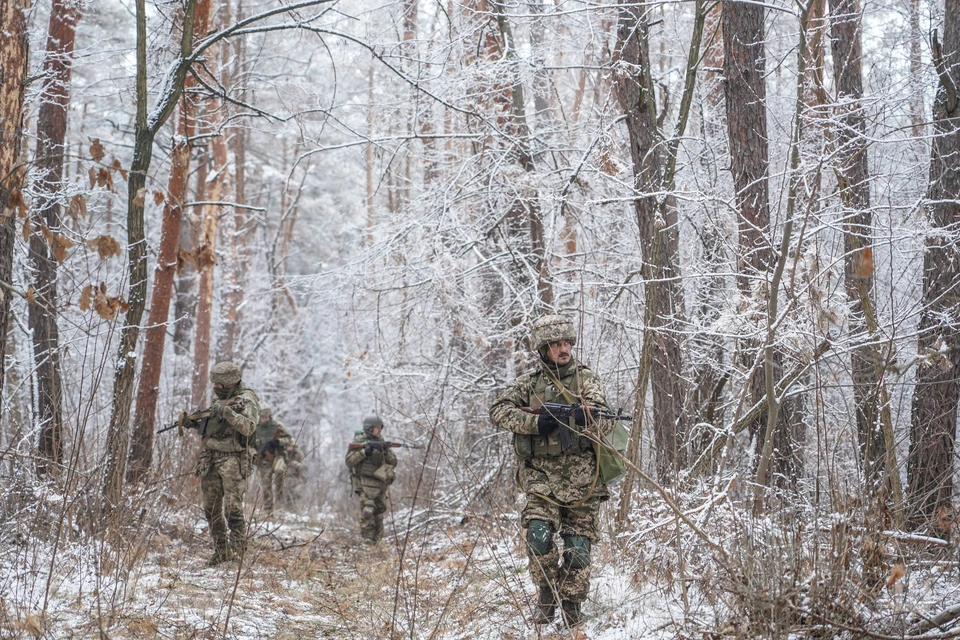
96 150
101 304
78 206
15 200
866 267
205 257
104 179
93 177
898 571
27 229
106 246
158 198
141 194
85 297
60 245
31 295
116 166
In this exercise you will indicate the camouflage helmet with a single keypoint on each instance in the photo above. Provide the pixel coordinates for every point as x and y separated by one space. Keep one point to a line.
225 373
266 411
552 328
371 421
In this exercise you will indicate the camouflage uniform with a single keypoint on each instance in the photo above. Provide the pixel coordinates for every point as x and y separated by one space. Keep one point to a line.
563 489
272 442
224 463
371 474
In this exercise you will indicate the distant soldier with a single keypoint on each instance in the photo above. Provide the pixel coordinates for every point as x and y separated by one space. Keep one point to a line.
273 444
371 465
558 468
224 462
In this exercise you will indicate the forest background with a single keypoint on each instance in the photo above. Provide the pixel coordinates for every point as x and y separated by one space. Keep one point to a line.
749 209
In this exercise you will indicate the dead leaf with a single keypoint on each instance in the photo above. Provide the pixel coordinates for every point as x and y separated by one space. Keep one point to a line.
96 150
104 179
78 206
106 246
27 229
158 198
86 296
92 173
185 258
898 571
15 200
139 198
205 257
866 267
116 166
61 245
31 295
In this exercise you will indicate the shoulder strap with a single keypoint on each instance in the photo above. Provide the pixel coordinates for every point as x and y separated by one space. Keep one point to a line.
569 397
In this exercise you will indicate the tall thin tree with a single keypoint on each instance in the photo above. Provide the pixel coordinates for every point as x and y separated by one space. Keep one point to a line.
46 248
933 421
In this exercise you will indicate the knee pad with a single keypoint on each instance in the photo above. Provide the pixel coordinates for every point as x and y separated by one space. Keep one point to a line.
540 537
577 551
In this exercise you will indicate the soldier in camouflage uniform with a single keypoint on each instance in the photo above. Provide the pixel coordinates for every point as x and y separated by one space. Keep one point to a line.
273 444
224 462
563 488
371 469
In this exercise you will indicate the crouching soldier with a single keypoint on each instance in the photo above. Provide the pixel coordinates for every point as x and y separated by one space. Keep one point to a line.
273 444
224 462
371 465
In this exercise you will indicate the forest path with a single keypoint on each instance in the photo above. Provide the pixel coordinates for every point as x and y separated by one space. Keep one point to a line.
303 578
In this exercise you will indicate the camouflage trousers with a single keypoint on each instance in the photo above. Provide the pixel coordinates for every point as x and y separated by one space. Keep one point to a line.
552 570
373 504
271 485
223 483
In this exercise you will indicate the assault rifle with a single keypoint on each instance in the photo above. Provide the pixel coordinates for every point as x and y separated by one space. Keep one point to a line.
381 446
198 419
269 449
561 414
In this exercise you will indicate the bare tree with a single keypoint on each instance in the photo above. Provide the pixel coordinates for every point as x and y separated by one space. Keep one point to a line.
148 390
13 73
47 245
933 427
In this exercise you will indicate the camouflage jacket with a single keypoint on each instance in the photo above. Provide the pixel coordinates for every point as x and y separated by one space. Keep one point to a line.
232 433
271 439
566 477
361 465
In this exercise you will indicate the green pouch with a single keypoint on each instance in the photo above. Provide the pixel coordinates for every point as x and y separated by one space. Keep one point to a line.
610 454
523 446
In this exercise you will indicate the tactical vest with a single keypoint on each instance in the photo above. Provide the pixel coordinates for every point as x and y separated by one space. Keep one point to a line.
368 467
221 436
548 446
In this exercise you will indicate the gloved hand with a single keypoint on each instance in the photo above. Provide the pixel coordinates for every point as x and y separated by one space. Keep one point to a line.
546 423
373 446
580 415
217 411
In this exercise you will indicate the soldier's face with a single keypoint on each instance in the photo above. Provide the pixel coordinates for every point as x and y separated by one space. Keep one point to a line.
559 352
375 432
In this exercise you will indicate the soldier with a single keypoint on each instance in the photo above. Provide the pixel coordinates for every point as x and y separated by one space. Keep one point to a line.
563 487
273 444
371 465
224 462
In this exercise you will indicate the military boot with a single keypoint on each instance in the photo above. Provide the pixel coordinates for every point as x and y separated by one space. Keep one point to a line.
546 606
221 555
572 615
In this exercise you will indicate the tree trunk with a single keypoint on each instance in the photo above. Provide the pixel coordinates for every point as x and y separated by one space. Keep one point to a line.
51 132
854 187
745 95
145 131
13 73
933 427
659 238
148 391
